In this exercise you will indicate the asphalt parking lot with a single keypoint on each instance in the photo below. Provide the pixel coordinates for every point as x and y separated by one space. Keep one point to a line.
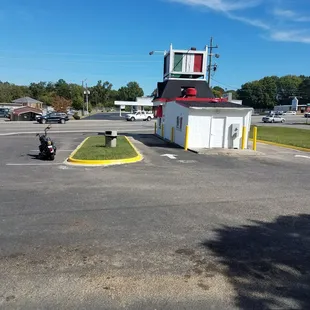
175 231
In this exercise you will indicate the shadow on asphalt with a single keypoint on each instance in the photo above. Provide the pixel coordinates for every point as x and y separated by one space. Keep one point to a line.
151 140
34 156
268 264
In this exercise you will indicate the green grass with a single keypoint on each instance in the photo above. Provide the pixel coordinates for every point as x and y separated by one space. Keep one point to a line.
94 149
284 135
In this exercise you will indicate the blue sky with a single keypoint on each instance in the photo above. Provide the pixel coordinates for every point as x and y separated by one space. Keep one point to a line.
110 40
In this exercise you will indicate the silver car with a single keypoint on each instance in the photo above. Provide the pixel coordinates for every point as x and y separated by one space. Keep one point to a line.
273 119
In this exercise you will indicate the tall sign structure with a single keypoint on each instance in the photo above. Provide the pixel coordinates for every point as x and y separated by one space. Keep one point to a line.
185 64
184 69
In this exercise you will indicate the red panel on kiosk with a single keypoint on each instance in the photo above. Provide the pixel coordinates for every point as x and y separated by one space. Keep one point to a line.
159 111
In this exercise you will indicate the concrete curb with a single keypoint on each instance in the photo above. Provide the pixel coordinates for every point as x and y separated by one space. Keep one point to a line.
283 145
109 162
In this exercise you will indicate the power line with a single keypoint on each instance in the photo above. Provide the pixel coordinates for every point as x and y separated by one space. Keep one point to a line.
85 60
230 86
74 54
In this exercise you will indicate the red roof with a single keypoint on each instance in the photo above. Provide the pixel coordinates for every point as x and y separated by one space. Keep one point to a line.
24 110
192 99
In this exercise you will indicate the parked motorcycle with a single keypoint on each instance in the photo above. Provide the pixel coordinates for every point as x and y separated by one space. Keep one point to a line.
47 147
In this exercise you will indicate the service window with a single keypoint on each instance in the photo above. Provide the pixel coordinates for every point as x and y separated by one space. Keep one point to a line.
179 122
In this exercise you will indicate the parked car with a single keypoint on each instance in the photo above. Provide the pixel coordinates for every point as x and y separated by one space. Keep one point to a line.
307 114
279 112
53 117
290 113
273 119
139 116
4 112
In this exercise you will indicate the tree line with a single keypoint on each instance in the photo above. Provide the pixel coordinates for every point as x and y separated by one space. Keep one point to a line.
270 91
260 94
62 93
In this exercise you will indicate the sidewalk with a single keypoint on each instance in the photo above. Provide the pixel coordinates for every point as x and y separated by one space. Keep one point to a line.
281 153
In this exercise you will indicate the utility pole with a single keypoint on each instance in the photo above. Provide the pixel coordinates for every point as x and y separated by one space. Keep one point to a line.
86 99
210 55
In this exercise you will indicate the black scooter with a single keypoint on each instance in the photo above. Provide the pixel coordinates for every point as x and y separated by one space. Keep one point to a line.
47 147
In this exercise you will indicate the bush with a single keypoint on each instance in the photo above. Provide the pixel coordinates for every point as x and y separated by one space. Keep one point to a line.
76 116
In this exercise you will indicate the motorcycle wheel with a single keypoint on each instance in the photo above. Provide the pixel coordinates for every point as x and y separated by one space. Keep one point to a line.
52 157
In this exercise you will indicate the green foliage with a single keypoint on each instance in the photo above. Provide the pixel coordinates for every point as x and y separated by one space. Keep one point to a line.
9 92
94 149
76 92
101 95
304 88
283 135
217 93
268 91
62 89
130 92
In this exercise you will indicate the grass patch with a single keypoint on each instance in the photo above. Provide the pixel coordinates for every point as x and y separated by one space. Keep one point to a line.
94 149
283 135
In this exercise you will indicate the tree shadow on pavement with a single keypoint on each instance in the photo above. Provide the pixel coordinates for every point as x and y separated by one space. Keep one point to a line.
268 263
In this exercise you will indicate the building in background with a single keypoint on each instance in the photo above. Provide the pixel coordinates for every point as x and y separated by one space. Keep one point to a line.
25 114
140 104
29 102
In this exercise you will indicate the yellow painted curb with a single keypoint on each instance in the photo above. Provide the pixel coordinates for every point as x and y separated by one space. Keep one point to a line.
284 145
130 160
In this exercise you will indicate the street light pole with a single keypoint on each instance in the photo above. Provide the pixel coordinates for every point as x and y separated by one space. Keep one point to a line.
83 96
86 99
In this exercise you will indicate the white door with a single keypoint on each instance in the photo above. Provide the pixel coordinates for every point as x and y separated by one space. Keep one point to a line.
217 132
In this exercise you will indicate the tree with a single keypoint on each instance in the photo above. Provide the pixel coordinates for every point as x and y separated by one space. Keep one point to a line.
130 92
37 90
288 85
123 94
264 93
218 91
62 89
76 92
252 95
100 94
304 88
61 104
134 91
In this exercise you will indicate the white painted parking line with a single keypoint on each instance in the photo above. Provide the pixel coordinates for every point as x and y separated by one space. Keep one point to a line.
34 164
302 156
57 150
189 161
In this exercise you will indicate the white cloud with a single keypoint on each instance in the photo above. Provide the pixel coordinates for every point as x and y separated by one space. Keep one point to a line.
222 5
281 25
298 36
253 22
290 15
